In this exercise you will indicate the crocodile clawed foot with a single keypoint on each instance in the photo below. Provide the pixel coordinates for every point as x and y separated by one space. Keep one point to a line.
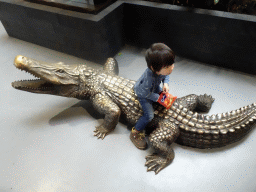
101 132
156 162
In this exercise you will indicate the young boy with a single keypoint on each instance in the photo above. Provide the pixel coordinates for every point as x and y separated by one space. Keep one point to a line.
160 62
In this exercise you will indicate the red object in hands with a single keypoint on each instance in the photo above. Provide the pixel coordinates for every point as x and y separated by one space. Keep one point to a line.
166 99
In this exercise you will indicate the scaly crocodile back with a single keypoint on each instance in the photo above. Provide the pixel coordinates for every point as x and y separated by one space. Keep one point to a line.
196 130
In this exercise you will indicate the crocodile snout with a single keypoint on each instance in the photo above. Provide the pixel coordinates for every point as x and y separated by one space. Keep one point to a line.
19 62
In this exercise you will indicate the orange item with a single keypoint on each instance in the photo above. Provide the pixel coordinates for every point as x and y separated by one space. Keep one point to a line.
166 99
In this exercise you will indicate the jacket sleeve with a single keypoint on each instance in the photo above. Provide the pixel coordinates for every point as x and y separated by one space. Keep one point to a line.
166 79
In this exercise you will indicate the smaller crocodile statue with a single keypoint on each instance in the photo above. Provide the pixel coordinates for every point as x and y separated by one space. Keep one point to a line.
112 95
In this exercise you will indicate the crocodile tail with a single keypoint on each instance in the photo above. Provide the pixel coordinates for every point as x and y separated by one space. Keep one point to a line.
218 130
111 66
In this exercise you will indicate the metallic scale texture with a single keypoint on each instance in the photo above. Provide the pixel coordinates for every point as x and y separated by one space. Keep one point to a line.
112 95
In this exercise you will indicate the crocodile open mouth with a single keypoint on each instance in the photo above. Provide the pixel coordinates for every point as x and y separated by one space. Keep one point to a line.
37 84
50 78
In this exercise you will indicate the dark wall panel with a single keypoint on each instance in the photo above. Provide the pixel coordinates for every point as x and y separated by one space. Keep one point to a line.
219 38
210 39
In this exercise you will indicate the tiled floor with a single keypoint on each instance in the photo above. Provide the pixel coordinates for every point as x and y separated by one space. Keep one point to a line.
47 142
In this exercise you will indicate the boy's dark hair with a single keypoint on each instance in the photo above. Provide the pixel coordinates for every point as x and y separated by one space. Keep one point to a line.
159 56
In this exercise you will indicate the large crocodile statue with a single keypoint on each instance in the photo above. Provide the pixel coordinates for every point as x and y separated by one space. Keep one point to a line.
113 95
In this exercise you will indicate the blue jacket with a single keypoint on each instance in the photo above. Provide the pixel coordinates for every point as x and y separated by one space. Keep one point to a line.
148 85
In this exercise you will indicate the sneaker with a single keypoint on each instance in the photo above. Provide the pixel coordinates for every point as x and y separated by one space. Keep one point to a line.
138 139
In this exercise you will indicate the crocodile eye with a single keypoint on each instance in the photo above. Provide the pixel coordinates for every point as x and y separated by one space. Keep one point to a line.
60 71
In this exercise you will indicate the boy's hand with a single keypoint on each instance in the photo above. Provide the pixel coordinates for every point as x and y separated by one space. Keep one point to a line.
166 88
166 99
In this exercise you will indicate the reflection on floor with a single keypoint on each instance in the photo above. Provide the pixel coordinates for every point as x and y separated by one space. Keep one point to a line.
47 142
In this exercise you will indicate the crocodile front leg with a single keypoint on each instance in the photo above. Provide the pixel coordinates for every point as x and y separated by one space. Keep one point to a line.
161 139
103 104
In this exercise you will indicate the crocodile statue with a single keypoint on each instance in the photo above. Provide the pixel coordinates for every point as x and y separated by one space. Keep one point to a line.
112 95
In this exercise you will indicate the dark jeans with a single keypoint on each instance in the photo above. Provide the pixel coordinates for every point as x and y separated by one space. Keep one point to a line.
148 114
